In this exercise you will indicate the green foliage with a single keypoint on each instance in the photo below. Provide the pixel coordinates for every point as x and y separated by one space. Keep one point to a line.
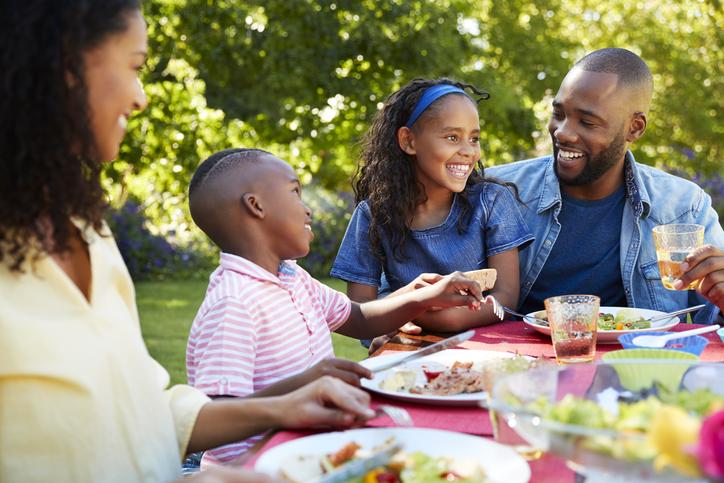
303 78
330 215
149 255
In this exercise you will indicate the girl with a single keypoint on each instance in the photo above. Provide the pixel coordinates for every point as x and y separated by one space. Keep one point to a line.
81 400
425 206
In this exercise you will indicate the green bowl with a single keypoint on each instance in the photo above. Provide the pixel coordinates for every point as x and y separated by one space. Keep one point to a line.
635 377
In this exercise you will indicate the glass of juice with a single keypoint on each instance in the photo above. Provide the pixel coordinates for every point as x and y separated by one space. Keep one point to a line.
673 244
574 322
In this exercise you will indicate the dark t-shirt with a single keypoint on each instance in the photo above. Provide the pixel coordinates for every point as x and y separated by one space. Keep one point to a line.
586 256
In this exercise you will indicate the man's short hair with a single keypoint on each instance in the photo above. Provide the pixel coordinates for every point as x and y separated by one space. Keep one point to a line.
629 67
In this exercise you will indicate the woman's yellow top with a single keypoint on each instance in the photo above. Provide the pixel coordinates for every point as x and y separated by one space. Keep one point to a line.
81 400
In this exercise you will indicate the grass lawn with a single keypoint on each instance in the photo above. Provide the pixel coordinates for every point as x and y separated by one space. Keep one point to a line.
167 309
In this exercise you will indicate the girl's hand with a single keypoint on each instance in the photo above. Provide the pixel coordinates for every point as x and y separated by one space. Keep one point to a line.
348 371
408 328
453 290
325 402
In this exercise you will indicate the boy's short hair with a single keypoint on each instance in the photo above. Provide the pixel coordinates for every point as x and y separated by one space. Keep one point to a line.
205 195
219 162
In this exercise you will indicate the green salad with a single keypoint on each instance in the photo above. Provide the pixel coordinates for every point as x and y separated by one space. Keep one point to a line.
625 319
632 419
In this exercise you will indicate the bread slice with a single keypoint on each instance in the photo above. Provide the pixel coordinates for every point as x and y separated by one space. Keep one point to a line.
485 277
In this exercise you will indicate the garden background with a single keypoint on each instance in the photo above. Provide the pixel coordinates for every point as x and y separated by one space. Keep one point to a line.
303 78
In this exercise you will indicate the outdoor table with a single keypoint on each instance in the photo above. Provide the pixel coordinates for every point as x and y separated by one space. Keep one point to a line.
509 336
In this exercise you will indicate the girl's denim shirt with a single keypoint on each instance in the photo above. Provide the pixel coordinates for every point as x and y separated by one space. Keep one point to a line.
496 226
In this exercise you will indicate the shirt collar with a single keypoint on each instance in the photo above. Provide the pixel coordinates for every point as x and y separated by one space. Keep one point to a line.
635 189
636 193
550 191
235 263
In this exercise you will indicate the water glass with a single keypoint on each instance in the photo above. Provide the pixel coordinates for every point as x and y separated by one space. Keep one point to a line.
574 322
504 427
673 244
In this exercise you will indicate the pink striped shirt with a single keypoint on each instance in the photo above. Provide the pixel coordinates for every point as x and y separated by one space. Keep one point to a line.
254 329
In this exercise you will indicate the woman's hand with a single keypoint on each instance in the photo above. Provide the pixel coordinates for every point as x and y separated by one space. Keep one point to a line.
225 474
325 402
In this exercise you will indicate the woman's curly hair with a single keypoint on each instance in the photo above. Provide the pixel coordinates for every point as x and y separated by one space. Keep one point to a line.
50 170
386 175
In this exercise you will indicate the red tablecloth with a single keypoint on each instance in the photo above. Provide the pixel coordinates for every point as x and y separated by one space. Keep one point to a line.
513 336
507 337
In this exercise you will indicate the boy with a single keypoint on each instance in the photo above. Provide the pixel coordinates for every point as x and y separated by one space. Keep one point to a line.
264 318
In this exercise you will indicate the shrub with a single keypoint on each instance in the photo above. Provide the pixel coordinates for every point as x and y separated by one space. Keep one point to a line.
713 185
150 256
330 215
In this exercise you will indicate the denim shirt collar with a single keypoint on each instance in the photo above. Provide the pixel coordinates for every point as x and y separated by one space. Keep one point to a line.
636 193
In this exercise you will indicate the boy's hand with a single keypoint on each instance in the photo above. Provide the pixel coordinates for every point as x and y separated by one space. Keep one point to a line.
325 402
453 290
705 264
348 371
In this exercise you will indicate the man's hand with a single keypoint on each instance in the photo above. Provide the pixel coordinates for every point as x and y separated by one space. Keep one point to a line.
325 402
348 371
706 264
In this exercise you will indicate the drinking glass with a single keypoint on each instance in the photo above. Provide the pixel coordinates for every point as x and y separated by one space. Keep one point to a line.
574 321
503 428
673 244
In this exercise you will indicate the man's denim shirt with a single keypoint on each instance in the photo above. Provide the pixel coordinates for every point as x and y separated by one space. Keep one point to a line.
653 198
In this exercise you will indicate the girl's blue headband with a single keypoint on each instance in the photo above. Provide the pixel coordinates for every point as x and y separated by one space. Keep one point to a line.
430 95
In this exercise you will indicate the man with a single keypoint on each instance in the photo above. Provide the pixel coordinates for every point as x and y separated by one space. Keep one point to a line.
591 207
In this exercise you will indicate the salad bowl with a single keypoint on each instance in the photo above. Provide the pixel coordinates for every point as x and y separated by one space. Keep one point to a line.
585 415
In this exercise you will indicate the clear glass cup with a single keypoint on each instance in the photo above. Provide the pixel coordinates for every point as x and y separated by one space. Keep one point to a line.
574 322
673 244
503 428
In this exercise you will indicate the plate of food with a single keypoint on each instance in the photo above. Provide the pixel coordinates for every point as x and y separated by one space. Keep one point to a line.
425 455
612 322
451 377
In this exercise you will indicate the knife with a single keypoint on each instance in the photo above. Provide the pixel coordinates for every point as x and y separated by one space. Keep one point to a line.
431 349
671 315
361 466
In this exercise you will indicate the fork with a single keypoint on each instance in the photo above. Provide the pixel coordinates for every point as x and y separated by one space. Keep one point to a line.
399 416
499 310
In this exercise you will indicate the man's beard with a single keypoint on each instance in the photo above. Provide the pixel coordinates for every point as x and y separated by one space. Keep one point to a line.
597 166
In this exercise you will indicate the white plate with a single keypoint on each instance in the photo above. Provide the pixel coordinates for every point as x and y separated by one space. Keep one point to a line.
611 336
447 358
501 463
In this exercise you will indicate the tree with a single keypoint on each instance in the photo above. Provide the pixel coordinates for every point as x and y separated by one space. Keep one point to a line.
303 78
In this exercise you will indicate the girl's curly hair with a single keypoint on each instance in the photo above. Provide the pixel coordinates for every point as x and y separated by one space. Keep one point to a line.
386 175
50 170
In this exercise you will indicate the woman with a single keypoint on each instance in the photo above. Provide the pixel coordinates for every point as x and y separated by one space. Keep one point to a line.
80 397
